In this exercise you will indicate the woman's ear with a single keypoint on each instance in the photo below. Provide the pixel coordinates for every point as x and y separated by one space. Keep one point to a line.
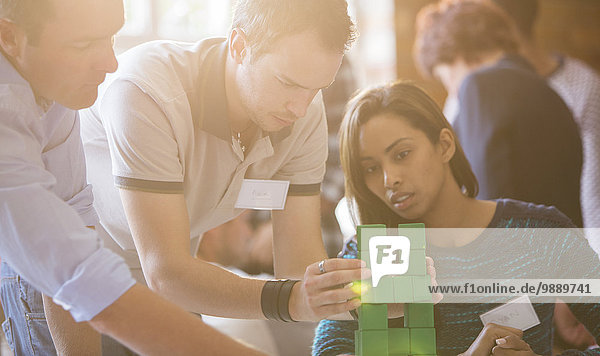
447 144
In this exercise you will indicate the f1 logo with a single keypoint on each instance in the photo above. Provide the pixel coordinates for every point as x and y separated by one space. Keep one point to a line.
389 255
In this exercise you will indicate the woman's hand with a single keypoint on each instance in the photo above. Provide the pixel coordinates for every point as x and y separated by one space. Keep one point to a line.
486 340
327 291
437 297
512 345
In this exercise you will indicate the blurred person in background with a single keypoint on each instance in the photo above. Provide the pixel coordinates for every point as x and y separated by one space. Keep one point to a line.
510 121
579 86
508 118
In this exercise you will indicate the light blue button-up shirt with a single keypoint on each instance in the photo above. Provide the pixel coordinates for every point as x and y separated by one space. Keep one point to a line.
46 204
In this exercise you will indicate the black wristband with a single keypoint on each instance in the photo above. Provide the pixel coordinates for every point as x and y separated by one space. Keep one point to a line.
268 299
275 299
284 300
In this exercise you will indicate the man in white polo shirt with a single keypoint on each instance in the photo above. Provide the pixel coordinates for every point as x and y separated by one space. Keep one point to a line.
180 128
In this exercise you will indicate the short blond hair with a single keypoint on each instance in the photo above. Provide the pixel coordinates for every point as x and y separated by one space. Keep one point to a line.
28 14
266 21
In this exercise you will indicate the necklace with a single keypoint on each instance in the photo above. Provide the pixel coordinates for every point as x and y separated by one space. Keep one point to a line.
237 137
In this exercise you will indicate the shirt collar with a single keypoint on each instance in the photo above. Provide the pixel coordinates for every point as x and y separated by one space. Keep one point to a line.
214 118
10 76
515 60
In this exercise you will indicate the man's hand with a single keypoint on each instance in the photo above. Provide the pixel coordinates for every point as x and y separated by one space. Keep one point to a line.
486 341
512 345
320 295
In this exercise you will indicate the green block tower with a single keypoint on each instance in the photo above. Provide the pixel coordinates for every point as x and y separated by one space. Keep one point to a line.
373 337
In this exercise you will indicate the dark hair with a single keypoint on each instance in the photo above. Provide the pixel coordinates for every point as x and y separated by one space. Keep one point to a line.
28 14
523 12
408 102
265 21
461 28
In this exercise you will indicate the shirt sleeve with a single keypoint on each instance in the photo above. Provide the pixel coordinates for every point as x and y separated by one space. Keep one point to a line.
306 169
143 148
590 175
83 200
333 337
44 238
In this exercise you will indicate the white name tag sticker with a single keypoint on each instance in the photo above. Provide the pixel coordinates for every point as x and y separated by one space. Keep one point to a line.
262 194
518 314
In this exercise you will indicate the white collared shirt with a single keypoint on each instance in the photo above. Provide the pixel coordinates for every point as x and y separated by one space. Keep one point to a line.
46 204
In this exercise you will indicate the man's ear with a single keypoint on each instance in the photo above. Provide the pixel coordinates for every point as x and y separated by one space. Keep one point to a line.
447 144
12 38
238 45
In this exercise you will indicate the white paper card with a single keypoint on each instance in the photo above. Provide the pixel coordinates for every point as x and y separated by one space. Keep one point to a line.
518 314
262 194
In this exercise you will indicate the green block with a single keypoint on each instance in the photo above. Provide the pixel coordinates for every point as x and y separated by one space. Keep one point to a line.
421 288
357 344
415 233
403 289
418 315
422 341
411 226
365 232
417 265
364 255
398 341
371 342
372 316
383 293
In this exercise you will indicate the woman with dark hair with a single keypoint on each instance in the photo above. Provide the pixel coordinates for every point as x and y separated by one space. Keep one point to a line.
422 113
403 164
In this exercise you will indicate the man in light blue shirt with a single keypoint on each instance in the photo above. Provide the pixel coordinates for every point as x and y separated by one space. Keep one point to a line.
53 56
